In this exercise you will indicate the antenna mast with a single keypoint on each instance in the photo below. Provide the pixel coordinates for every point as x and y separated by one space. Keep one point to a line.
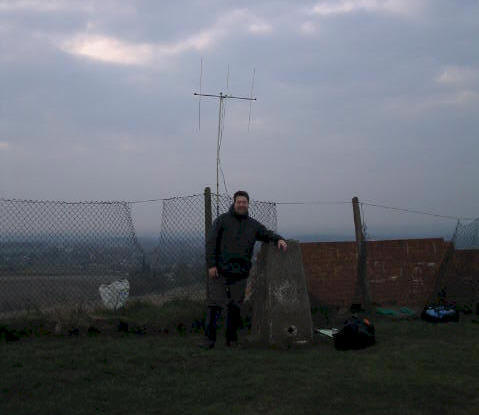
221 98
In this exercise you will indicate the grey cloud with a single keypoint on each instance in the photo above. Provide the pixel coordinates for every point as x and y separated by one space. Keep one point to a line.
354 108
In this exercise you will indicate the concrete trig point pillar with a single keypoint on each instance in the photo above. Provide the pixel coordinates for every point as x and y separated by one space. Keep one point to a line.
281 308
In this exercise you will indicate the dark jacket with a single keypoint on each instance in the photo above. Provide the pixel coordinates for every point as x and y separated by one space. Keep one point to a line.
230 243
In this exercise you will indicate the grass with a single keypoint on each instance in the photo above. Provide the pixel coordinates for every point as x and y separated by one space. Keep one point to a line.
415 368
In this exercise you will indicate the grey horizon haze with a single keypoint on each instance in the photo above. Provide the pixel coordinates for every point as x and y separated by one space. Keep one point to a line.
371 98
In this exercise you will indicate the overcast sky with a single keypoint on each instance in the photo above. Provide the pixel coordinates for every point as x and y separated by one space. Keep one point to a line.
373 98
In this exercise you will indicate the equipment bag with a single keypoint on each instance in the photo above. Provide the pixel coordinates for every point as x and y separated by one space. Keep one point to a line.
356 334
440 313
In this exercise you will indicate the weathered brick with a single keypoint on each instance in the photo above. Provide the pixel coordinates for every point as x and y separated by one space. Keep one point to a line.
401 271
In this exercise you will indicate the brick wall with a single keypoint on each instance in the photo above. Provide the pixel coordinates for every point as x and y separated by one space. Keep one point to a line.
330 269
400 272
404 272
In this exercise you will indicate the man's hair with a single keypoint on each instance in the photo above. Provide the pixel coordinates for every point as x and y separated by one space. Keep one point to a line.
240 193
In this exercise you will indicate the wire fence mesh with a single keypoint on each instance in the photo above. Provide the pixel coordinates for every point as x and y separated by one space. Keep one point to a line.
458 277
442 267
178 262
466 235
55 253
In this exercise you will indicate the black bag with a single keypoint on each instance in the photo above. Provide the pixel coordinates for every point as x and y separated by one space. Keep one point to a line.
356 334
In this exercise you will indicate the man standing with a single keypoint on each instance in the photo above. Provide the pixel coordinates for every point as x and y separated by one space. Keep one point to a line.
229 249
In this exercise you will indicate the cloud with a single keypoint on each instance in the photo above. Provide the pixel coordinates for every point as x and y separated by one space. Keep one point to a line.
117 51
4 145
308 28
463 98
198 41
462 83
43 5
336 7
260 28
91 7
373 79
415 107
458 75
124 143
108 49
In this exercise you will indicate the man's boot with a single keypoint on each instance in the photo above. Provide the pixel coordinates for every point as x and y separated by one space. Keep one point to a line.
232 323
209 341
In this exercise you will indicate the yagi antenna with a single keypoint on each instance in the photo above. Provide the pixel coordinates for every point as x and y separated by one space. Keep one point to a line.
222 97
251 96
228 80
199 99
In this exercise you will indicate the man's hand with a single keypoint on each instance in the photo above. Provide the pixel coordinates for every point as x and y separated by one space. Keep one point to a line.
213 272
282 245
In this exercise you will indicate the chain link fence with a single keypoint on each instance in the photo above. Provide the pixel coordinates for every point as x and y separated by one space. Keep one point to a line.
178 263
466 236
458 279
58 252
443 267
55 253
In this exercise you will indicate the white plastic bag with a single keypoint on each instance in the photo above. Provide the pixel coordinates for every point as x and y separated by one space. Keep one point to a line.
114 295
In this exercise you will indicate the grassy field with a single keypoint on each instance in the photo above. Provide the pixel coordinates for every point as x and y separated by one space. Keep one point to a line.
415 368
20 292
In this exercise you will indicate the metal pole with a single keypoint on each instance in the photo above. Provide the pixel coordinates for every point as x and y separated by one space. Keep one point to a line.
222 97
208 223
218 156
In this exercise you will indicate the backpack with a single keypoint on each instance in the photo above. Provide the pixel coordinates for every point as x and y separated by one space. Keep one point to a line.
356 334
440 313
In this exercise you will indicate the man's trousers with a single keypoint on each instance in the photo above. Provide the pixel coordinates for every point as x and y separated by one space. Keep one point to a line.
225 293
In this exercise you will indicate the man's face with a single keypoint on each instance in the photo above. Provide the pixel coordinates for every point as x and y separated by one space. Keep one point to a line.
241 205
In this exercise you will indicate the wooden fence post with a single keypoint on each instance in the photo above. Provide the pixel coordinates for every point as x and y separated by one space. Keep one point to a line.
362 257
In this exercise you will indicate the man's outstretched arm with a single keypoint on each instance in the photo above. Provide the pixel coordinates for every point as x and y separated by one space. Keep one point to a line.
265 235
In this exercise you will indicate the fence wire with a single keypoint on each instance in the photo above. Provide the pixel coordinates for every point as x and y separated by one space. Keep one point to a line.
458 278
264 212
60 253
178 262
431 270
466 236
55 252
